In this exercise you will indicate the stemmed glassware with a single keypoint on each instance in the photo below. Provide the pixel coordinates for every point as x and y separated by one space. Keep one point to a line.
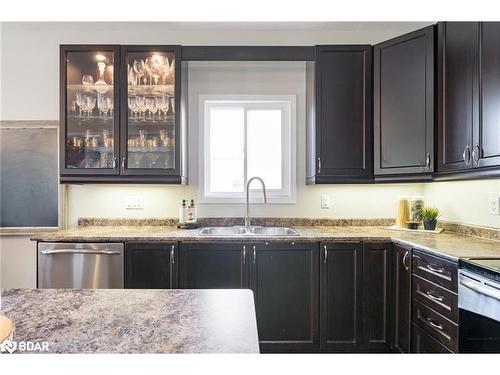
103 104
139 69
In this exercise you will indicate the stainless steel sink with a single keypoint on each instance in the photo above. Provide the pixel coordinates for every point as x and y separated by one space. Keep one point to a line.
250 231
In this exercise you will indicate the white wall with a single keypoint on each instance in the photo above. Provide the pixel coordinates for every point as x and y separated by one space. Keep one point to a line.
464 201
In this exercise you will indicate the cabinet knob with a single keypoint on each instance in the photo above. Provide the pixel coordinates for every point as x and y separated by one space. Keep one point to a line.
123 162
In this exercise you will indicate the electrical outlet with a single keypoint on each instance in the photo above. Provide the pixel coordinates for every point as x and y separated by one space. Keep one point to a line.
325 201
494 206
135 203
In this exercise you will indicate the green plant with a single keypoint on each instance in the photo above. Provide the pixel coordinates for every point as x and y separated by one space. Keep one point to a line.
430 213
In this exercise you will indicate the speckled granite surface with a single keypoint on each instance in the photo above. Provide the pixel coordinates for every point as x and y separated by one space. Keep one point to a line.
134 321
449 245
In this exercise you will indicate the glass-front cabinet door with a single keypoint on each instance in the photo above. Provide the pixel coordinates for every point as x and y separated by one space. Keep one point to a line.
149 110
89 110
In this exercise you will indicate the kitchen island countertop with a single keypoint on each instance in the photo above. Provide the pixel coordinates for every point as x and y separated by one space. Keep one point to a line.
133 320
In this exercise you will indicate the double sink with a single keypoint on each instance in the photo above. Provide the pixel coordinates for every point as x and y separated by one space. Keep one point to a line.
248 231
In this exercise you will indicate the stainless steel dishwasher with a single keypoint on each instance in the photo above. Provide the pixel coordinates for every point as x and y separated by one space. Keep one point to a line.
80 265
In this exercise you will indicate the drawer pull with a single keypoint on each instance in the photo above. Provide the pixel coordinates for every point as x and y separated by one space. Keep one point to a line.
433 324
434 297
434 269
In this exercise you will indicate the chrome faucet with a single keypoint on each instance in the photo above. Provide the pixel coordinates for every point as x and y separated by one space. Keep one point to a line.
247 206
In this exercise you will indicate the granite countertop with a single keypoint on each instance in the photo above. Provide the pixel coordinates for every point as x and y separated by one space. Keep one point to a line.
446 244
134 321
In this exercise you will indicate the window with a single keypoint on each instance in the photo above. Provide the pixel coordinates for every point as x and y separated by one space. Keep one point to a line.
243 137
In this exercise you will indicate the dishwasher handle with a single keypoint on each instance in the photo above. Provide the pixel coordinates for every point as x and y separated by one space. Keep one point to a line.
480 288
80 251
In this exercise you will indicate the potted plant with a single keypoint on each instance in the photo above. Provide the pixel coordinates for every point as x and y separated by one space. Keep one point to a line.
429 217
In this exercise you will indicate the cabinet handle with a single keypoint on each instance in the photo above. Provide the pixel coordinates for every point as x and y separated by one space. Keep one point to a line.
466 155
475 154
244 254
434 269
114 162
319 165
428 160
172 254
404 260
434 297
325 258
435 325
123 162
254 255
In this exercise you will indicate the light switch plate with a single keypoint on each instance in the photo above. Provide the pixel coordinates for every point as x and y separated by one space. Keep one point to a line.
325 201
494 206
135 203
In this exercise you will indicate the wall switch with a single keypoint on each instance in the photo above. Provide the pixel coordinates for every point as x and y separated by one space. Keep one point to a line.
494 206
135 203
325 201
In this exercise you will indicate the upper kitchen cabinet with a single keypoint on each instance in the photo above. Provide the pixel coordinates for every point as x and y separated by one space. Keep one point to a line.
340 134
121 114
89 114
486 145
404 106
458 93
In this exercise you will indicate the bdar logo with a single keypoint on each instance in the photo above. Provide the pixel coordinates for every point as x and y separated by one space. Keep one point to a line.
8 346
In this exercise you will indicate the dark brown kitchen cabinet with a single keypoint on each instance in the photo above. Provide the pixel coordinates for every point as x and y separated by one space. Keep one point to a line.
89 110
402 259
486 145
150 265
423 343
458 93
377 296
340 140
341 284
122 114
404 105
285 282
214 265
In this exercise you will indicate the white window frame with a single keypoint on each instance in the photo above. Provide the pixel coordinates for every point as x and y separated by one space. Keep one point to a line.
287 103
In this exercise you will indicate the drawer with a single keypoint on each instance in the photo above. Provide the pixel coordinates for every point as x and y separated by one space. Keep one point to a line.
436 325
439 271
421 342
437 298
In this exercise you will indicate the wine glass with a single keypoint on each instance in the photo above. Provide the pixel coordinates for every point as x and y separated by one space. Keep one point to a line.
164 70
101 86
80 102
110 102
147 65
132 105
139 69
87 80
90 102
102 104
140 104
162 103
150 105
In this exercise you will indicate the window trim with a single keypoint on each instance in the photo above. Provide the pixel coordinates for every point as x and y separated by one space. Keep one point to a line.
285 102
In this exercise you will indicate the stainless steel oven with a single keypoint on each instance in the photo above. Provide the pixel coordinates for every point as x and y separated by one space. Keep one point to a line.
479 305
80 265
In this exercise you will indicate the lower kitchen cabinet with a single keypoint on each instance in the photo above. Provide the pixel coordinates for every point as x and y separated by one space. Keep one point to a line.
150 265
402 259
421 342
285 282
341 291
377 296
213 265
